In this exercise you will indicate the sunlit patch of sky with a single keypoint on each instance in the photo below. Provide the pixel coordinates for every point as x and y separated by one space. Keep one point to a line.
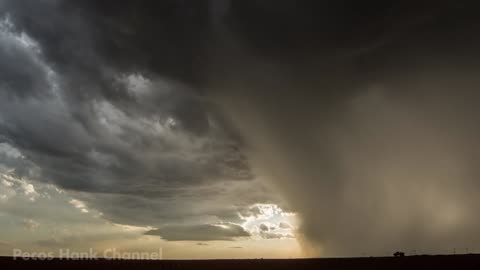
269 220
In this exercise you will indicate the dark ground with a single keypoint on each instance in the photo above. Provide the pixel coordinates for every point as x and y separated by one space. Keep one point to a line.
409 262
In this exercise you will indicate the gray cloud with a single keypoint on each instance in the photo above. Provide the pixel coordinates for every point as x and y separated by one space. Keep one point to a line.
273 235
263 227
204 232
22 72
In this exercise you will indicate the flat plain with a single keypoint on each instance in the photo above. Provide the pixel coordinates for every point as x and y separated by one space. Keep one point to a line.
471 261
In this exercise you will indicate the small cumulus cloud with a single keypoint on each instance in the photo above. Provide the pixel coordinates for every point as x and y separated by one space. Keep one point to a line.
29 189
79 205
263 227
14 186
30 224
284 225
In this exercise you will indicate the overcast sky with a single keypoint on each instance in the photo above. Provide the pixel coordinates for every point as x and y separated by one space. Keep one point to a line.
219 129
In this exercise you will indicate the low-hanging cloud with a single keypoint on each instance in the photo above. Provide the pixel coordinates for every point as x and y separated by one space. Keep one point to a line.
202 232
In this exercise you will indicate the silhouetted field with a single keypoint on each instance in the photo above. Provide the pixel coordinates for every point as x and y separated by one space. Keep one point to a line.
409 262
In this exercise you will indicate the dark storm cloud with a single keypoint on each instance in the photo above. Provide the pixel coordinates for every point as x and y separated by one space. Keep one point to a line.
204 232
93 100
21 72
83 99
362 113
150 36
